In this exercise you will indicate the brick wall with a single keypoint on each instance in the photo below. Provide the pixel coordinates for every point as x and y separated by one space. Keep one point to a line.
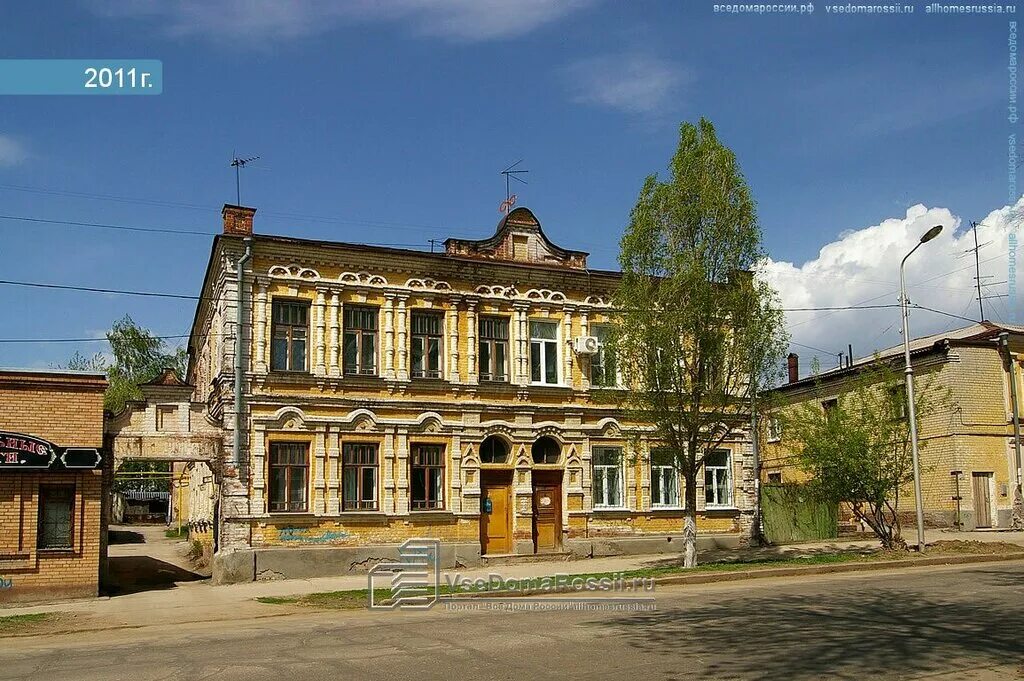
66 409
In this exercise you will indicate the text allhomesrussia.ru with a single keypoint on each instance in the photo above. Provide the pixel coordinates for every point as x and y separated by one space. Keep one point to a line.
557 582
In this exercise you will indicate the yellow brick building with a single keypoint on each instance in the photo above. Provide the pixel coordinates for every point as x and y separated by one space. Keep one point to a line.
968 456
462 395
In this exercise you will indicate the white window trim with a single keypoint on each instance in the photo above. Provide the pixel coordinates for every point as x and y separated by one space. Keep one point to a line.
678 506
622 486
773 431
559 379
730 503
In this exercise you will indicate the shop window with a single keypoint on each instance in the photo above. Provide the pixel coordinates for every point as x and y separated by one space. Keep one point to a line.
717 479
427 477
426 345
608 477
493 349
493 450
546 450
289 335
360 355
664 479
359 477
289 476
56 517
544 352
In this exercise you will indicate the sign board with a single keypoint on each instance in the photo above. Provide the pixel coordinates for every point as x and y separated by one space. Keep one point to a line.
19 451
24 451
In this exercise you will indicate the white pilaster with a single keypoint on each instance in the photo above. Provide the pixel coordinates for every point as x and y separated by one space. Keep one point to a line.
319 505
319 368
334 345
260 334
452 330
403 333
333 484
389 336
565 348
472 376
258 504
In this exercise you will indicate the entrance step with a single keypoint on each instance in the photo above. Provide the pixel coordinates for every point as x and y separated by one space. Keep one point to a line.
519 559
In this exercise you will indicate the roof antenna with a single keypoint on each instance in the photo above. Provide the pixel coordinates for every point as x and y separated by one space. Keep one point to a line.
510 198
239 163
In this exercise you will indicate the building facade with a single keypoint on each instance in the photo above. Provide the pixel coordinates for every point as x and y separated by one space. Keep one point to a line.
54 484
969 456
465 395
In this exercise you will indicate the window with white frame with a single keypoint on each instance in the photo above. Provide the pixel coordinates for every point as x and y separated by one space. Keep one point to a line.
774 429
607 480
359 477
717 479
426 345
602 362
544 352
664 479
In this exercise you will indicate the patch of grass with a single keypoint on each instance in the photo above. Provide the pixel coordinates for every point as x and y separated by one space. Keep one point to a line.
19 622
177 533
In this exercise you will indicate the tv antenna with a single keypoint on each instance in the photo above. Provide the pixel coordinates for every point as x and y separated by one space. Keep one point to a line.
239 163
511 174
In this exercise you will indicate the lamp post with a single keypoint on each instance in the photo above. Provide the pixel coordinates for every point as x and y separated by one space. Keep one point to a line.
909 371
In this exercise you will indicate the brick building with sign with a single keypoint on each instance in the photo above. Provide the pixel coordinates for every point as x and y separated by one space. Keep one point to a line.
53 483
464 395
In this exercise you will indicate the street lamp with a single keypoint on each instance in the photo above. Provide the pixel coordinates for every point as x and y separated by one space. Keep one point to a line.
909 371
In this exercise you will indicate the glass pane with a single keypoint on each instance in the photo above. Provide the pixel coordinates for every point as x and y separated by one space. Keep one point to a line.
298 354
419 488
614 492
279 354
369 484
550 363
297 493
599 483
437 485
417 355
485 359
349 492
499 361
544 330
657 498
277 491
535 361
369 353
662 457
717 458
434 345
351 352
671 487
608 456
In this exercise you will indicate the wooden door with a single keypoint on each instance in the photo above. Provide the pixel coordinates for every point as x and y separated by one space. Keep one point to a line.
495 517
547 517
982 500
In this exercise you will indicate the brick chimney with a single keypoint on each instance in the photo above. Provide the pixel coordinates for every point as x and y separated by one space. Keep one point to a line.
793 366
238 219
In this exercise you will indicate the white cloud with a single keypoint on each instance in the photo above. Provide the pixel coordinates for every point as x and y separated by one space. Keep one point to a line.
861 267
12 151
255 20
635 83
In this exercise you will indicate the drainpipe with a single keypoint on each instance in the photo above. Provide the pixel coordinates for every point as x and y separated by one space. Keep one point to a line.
1004 342
236 449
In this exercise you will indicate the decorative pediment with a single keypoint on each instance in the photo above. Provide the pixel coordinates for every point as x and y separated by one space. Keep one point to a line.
429 422
293 271
364 278
518 238
545 295
523 458
428 284
289 418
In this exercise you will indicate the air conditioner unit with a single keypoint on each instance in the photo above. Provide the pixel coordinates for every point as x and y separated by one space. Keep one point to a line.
585 345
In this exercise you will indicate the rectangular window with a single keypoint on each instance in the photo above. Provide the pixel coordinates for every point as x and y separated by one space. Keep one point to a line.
717 479
775 478
602 363
359 477
426 345
493 349
544 352
898 402
829 406
361 340
56 516
664 479
774 429
289 476
289 333
608 477
427 473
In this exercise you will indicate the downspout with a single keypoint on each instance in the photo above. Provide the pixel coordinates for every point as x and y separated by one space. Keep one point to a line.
236 449
1018 511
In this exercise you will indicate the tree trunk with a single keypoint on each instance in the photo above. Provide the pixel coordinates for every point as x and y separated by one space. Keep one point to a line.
690 522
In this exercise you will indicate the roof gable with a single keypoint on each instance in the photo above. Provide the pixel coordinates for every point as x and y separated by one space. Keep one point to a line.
517 238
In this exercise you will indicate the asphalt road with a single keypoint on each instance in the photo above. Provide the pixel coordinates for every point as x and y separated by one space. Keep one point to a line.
935 623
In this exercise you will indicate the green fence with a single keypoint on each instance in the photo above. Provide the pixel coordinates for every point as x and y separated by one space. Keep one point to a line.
790 514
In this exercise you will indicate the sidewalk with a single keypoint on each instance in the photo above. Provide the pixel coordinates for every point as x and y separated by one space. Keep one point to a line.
200 601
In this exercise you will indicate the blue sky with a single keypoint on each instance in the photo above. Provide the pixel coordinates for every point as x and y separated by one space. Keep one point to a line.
389 123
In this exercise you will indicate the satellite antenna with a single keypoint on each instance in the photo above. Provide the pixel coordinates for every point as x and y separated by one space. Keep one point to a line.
239 163
511 174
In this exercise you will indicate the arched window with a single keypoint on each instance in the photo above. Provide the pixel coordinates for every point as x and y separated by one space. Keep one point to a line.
493 450
546 450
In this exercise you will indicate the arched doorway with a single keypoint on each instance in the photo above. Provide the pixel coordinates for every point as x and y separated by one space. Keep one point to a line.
547 495
495 497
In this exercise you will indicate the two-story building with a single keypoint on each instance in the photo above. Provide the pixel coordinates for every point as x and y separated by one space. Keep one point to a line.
464 395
